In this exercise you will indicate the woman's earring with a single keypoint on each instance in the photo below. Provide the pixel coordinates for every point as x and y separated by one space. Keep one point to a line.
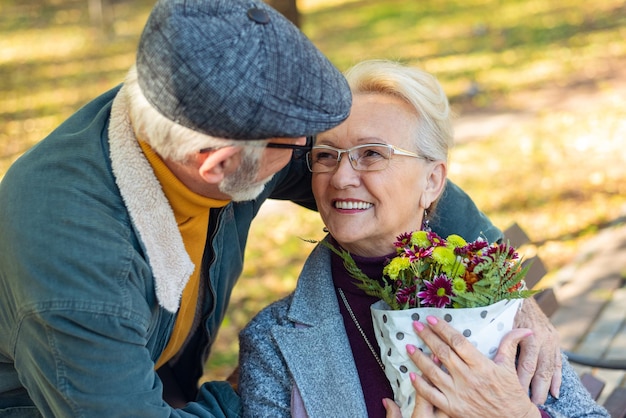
425 222
325 229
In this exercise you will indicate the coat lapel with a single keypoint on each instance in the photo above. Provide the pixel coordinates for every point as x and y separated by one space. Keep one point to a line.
148 207
320 338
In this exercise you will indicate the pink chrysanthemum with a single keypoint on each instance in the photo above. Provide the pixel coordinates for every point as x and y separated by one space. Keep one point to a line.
403 240
437 293
436 240
511 254
406 295
472 247
420 254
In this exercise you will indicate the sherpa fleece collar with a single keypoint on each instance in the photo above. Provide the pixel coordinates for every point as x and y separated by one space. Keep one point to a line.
148 207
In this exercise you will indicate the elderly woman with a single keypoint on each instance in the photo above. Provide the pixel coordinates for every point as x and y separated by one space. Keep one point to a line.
375 176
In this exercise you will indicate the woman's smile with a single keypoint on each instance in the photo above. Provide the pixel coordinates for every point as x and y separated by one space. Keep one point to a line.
349 204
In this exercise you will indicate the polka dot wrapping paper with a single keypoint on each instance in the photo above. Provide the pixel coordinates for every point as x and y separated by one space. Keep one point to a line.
484 327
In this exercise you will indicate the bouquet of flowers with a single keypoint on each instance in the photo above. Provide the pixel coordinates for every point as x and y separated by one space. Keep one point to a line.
475 286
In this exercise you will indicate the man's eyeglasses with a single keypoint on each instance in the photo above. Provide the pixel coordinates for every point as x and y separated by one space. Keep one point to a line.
299 151
366 157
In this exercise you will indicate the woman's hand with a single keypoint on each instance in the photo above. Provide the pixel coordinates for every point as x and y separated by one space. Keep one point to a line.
423 409
539 365
474 386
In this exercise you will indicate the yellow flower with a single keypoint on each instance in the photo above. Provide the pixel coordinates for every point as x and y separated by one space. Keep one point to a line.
456 241
459 286
420 239
395 266
454 270
444 256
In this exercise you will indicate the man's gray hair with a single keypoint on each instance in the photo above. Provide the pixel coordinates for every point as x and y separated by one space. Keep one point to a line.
167 138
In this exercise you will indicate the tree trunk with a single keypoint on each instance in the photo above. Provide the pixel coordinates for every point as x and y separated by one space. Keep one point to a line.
288 8
101 15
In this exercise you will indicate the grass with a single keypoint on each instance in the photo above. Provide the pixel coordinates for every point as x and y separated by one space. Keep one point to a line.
558 167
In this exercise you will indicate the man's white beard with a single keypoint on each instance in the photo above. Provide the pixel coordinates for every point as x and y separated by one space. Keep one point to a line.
242 185
251 192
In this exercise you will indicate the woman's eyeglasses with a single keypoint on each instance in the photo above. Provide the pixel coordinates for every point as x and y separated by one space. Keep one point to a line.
365 157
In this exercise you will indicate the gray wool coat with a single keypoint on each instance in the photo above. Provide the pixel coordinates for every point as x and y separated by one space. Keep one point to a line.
296 361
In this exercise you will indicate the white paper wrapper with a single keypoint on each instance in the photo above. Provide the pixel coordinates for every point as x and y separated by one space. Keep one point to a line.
484 327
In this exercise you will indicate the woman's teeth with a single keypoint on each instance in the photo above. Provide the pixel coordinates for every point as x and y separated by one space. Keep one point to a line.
352 205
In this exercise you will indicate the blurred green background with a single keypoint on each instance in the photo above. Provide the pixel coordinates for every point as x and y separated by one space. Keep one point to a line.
538 87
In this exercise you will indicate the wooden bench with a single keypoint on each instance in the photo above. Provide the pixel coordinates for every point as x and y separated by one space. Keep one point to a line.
547 300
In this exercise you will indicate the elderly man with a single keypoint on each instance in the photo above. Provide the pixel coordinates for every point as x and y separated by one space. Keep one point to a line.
122 233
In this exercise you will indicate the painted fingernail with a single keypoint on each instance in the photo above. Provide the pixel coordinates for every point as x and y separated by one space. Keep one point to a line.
412 376
410 348
418 326
431 320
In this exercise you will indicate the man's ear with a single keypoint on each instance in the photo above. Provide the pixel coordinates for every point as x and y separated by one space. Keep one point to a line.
217 163
435 183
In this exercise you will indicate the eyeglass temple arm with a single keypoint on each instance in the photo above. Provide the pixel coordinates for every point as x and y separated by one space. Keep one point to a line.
307 146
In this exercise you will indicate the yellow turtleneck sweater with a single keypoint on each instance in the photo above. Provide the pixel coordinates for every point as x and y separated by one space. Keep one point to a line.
192 217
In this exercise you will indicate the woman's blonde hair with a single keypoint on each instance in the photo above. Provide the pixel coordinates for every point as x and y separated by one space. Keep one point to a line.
435 134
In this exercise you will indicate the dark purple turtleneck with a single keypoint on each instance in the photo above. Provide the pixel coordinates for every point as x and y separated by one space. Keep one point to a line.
373 380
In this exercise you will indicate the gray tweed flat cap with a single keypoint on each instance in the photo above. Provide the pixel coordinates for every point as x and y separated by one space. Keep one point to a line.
237 69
